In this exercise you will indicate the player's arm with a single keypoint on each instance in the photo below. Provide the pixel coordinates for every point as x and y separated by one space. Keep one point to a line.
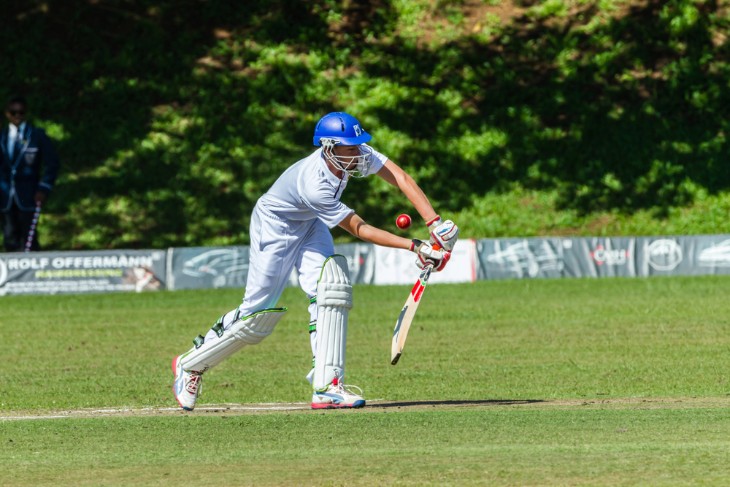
393 174
445 233
354 224
357 227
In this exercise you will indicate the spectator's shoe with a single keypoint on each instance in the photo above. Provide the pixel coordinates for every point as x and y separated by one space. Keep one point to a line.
338 396
187 385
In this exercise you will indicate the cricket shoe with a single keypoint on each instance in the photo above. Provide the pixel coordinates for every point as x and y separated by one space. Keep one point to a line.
338 396
187 385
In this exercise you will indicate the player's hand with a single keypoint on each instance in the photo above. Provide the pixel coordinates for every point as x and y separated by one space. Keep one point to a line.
443 233
429 254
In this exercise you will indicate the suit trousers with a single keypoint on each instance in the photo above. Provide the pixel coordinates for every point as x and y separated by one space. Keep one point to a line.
16 225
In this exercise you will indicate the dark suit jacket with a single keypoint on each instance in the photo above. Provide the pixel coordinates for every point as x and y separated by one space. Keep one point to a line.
34 168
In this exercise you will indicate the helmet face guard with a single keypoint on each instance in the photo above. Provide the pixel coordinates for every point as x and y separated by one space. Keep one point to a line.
340 128
355 166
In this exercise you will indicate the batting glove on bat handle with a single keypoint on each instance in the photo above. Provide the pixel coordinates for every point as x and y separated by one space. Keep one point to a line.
443 233
430 254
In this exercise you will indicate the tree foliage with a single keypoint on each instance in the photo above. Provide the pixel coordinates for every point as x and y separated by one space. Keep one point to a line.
173 117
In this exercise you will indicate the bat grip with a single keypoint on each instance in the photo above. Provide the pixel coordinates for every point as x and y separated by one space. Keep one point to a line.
435 246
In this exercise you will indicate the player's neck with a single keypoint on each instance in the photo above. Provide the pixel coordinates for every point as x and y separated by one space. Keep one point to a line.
337 172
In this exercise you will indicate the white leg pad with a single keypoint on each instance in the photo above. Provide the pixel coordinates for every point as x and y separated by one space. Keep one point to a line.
334 301
244 331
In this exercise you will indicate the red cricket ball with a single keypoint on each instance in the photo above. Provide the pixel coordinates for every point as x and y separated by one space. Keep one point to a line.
403 221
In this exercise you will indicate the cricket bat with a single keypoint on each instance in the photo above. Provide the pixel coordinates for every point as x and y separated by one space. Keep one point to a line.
403 324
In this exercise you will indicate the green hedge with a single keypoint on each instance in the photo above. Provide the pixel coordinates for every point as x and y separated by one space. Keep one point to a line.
517 118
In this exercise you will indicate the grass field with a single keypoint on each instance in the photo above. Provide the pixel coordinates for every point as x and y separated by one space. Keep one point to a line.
527 382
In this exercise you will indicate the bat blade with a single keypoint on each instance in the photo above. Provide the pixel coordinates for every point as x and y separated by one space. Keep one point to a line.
403 323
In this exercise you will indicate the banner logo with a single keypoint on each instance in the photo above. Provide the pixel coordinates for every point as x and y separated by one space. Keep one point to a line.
222 266
664 254
602 255
525 260
717 255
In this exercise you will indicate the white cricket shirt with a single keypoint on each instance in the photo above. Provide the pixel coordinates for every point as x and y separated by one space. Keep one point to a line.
308 190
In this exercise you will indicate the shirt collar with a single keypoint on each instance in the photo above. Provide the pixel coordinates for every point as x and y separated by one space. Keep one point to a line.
14 130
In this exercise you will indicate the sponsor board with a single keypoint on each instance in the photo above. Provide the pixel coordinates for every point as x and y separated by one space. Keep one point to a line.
217 267
526 258
207 267
82 272
716 255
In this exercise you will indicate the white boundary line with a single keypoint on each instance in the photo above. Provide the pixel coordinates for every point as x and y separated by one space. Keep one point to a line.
158 411
151 411
228 408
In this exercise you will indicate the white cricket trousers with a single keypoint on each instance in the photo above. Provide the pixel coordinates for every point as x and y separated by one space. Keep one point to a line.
277 247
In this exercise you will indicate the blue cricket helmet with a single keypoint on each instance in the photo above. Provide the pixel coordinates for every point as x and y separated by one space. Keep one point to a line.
342 128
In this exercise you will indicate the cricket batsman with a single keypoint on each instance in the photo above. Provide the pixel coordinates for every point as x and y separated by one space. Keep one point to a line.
290 229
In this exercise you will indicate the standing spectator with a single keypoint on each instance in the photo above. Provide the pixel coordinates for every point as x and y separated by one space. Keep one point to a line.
28 169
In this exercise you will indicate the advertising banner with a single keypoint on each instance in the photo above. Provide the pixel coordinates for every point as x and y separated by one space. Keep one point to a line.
700 255
519 258
207 267
603 257
508 258
82 272
711 253
600 257
225 267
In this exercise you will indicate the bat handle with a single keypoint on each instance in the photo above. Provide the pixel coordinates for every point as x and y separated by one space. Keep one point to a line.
435 246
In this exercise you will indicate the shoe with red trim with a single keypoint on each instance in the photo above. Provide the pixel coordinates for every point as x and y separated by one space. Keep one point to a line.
187 385
338 395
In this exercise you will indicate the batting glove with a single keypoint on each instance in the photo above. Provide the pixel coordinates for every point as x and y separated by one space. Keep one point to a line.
428 254
443 233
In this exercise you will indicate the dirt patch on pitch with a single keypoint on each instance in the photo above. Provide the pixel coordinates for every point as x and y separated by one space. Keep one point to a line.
374 406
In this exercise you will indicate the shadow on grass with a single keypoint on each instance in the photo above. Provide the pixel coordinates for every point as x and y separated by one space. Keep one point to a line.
476 402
